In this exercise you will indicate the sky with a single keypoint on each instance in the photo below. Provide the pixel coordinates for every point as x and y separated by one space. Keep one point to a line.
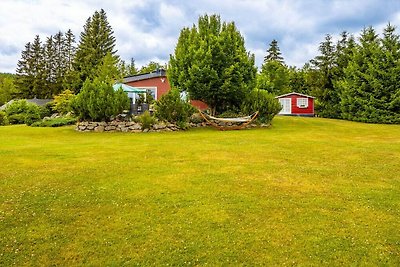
148 30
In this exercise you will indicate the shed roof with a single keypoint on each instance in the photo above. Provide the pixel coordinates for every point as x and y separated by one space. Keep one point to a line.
294 93
37 101
145 76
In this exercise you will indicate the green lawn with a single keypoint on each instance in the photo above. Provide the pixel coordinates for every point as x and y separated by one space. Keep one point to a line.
306 191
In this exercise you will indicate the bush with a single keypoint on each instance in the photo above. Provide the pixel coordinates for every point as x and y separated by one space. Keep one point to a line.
47 110
170 107
20 111
56 122
16 118
32 114
264 103
146 120
3 118
62 102
97 101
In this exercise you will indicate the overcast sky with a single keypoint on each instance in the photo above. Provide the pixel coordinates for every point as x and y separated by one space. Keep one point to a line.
148 29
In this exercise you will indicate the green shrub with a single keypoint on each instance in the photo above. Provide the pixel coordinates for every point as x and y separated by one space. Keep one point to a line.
47 110
32 114
170 107
97 101
146 120
264 103
56 122
62 102
230 114
20 111
196 118
3 118
16 118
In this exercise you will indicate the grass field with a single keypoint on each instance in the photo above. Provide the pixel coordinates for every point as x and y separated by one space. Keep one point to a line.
306 191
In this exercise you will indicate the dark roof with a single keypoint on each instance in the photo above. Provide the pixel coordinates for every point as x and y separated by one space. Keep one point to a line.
294 93
145 76
37 101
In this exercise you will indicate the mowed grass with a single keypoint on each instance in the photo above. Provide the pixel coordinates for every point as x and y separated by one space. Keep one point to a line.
306 191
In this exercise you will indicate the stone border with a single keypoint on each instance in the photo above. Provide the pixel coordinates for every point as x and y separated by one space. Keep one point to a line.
124 126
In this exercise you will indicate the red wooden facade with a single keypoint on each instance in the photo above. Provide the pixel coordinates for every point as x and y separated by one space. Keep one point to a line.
296 104
157 81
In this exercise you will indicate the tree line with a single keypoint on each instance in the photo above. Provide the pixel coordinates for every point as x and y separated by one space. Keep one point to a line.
354 79
351 79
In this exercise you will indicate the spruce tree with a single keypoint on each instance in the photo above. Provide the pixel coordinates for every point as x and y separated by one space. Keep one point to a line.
31 75
328 104
362 86
24 73
95 42
274 53
274 75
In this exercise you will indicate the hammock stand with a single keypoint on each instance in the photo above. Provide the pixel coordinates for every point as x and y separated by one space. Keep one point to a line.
246 121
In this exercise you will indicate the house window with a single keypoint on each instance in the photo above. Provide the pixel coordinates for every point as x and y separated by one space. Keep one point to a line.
302 102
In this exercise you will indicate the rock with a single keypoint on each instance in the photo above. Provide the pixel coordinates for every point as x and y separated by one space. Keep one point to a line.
145 130
124 129
46 118
99 128
110 128
55 115
135 126
159 126
90 127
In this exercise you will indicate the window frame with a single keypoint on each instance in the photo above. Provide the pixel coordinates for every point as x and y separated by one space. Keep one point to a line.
302 102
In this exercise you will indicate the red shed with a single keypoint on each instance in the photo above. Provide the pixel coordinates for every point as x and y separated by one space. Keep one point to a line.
296 104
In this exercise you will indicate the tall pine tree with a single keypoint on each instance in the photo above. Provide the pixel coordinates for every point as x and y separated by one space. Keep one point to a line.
370 91
95 42
274 75
274 53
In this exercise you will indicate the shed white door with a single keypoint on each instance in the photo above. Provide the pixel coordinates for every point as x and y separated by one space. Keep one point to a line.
286 104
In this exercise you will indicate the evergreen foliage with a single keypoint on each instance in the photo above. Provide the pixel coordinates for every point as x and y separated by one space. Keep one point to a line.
263 102
327 95
62 102
3 118
97 101
20 111
275 75
96 41
274 53
370 89
274 78
211 63
45 69
152 66
170 107
7 87
128 69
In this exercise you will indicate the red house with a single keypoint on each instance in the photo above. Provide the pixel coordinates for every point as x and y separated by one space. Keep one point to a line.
296 104
157 84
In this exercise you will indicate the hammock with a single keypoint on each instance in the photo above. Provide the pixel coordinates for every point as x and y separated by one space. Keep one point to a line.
245 120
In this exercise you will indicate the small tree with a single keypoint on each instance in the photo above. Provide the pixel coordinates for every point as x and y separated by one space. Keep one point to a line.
62 102
264 103
98 101
170 107
20 111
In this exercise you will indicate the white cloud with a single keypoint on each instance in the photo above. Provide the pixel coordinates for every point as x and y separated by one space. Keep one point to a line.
149 29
